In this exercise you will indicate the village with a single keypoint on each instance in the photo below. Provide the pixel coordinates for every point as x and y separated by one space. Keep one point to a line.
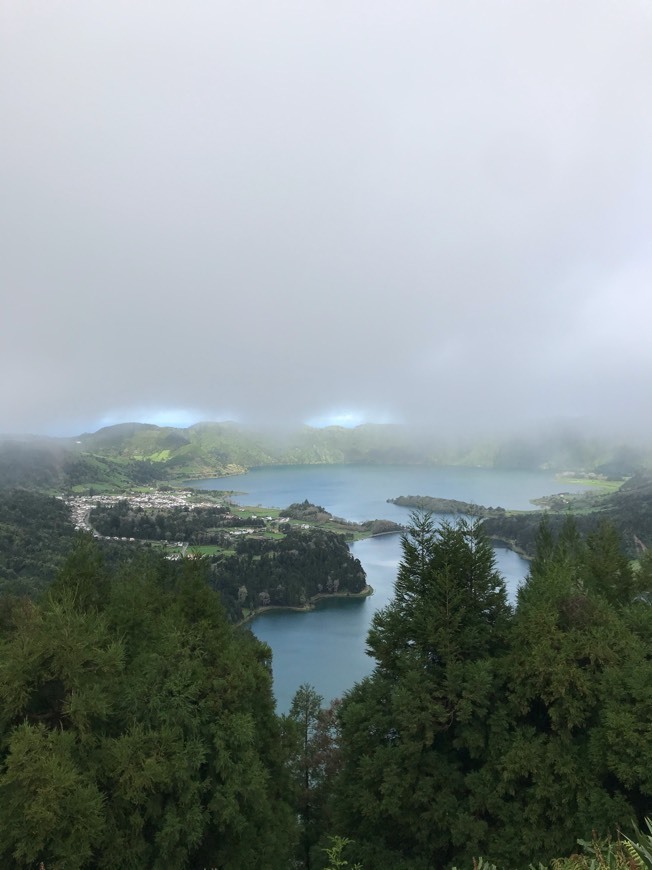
82 505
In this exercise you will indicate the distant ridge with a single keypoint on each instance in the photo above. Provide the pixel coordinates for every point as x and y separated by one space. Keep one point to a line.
133 453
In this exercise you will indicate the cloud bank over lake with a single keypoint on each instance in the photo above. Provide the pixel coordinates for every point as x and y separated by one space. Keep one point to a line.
418 212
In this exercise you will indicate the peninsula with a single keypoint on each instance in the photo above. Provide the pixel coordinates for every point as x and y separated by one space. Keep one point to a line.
450 506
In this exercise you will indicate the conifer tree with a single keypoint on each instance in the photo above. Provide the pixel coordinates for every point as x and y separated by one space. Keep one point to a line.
608 571
414 731
137 727
314 763
556 767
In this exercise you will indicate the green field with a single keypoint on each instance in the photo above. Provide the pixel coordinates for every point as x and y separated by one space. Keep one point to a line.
606 485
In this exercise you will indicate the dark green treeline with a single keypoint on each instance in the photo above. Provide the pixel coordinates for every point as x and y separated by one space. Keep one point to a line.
137 726
487 731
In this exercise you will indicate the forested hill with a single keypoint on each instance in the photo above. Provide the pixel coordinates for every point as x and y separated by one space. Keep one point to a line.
230 446
57 465
137 726
451 506
135 454
139 453
221 448
629 511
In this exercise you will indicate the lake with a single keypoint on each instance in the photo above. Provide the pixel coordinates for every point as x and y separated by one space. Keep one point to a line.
326 647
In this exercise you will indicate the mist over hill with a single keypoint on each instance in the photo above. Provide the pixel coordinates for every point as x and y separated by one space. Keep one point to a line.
129 454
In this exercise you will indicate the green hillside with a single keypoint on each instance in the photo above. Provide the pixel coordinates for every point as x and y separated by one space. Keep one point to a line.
226 447
216 447
628 511
55 465
137 454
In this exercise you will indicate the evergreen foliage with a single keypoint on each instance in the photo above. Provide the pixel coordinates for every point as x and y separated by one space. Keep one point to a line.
414 732
315 762
137 727
35 536
487 732
286 572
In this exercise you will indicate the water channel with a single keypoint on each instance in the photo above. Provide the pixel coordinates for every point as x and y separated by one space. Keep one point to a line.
326 647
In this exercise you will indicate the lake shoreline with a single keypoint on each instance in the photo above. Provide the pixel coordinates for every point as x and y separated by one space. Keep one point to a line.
327 648
309 606
510 545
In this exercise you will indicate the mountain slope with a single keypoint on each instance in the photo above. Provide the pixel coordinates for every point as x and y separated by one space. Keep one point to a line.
141 453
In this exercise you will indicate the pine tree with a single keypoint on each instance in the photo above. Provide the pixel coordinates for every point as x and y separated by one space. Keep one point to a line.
608 571
314 763
572 663
415 731
137 727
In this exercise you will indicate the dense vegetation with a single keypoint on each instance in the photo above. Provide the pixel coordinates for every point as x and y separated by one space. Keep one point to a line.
137 723
487 731
137 727
629 511
285 572
255 571
35 536
197 526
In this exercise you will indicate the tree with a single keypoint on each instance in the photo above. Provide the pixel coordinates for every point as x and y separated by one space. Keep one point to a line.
486 732
644 575
414 731
137 727
449 603
315 760
568 751
608 570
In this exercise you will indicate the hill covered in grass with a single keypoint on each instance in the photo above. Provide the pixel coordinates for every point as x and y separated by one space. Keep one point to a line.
142 454
135 454
223 448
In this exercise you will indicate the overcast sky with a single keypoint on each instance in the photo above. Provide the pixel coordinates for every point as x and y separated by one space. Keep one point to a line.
433 211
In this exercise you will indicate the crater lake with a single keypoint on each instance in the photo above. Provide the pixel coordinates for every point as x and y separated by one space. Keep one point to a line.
326 646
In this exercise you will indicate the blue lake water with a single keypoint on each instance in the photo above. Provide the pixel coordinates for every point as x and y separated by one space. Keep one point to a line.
326 647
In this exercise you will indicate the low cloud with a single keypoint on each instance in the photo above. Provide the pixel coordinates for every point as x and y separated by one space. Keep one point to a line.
437 214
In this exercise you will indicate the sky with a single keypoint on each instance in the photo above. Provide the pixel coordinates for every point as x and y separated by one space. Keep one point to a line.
434 213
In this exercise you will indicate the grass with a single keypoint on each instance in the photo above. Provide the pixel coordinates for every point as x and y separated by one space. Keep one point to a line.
83 488
606 485
217 496
246 512
205 549
161 456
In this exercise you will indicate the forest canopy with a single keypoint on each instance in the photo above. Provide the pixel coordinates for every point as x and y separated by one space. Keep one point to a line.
138 727
487 731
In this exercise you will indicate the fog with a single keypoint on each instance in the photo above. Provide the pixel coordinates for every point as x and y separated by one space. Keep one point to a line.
431 213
